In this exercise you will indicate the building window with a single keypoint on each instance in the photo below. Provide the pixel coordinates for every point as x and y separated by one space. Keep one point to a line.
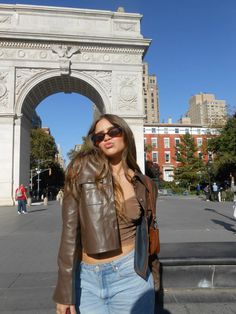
154 157
176 130
177 156
166 130
198 131
200 155
153 130
166 142
186 131
177 141
167 156
168 175
154 142
199 142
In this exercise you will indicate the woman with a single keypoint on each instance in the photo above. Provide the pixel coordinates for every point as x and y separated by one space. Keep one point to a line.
103 256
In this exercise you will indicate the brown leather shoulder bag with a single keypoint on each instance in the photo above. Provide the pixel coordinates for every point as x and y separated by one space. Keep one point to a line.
154 242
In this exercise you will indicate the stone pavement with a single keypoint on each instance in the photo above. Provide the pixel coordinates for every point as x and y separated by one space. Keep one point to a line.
198 257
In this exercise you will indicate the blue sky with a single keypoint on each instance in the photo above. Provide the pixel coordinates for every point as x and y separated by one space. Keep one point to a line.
193 50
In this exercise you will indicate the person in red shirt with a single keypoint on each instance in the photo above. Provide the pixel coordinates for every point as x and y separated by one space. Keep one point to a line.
21 197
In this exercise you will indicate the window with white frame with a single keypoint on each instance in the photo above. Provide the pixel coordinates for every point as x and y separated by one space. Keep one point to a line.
177 141
154 157
177 155
199 141
165 130
166 142
154 142
186 131
167 156
153 130
176 130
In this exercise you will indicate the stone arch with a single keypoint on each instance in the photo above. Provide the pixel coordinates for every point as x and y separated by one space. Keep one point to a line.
64 52
47 83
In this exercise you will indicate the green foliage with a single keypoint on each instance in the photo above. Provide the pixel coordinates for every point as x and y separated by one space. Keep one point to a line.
71 154
43 148
43 156
152 170
224 149
189 170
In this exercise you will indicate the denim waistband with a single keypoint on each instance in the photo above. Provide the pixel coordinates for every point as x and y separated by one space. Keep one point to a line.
116 263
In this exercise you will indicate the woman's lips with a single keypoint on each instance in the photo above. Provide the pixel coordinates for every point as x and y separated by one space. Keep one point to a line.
108 145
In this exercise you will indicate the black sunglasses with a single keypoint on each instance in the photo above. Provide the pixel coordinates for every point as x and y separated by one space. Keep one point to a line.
114 131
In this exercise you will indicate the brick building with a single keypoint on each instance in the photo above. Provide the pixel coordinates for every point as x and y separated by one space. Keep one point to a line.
162 138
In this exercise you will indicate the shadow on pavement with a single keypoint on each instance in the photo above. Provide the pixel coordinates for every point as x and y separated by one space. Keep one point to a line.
36 210
226 225
159 298
215 211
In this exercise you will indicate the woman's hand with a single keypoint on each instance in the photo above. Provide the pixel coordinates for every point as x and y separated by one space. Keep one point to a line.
65 309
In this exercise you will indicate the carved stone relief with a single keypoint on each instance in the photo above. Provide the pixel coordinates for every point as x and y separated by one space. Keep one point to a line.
110 58
64 53
5 19
127 92
104 79
4 94
127 27
23 76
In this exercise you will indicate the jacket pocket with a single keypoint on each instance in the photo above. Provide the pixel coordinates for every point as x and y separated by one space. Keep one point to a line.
91 195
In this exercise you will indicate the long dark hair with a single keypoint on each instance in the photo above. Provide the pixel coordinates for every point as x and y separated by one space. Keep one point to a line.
129 156
91 153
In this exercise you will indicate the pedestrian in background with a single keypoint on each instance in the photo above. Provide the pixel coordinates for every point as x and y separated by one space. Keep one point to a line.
21 198
60 196
215 191
207 192
103 256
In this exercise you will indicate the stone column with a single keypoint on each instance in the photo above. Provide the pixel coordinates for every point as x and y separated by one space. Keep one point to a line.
6 157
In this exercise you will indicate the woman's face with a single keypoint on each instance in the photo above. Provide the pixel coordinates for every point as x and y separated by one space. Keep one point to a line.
112 147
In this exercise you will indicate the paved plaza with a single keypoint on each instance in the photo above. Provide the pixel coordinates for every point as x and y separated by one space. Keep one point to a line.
191 230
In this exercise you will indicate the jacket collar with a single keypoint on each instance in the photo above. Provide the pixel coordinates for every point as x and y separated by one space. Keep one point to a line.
141 177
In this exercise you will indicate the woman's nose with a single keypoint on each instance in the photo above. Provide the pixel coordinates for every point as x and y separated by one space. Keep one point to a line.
107 137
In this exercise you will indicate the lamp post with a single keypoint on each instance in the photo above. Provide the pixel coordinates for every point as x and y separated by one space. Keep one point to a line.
38 185
209 163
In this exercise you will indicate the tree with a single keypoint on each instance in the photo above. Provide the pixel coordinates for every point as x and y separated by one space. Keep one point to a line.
152 170
72 153
190 165
43 152
224 150
43 148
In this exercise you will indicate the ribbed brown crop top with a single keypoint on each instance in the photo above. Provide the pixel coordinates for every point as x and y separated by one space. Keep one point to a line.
127 226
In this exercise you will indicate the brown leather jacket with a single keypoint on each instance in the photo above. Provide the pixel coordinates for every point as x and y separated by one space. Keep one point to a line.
89 223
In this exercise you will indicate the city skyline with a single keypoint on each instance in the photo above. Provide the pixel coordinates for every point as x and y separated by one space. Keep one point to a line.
192 51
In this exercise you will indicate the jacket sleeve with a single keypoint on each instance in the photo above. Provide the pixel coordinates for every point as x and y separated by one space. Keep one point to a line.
68 252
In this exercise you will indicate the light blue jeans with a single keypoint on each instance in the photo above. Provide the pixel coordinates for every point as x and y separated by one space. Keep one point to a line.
114 288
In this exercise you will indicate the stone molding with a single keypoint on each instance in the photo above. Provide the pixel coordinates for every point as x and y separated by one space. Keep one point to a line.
82 47
4 93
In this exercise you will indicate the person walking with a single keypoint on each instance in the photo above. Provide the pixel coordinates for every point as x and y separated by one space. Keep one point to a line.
21 198
104 252
215 191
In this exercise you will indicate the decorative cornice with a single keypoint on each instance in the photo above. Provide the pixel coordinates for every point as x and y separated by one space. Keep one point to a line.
81 48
